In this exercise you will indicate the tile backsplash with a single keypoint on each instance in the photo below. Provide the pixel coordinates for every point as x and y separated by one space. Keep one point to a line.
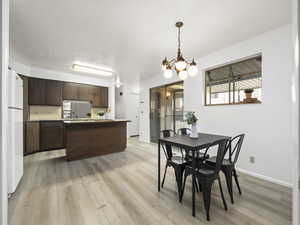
44 113
55 113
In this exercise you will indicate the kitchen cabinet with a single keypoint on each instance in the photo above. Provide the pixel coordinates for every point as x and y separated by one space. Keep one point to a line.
44 92
36 91
97 95
70 91
100 97
53 93
32 137
51 135
85 92
96 99
104 97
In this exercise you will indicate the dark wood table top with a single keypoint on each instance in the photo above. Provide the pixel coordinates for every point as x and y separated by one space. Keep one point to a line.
185 141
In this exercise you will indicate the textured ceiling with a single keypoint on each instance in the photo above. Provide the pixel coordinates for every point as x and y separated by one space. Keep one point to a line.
133 36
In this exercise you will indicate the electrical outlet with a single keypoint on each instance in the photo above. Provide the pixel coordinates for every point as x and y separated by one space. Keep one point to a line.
252 159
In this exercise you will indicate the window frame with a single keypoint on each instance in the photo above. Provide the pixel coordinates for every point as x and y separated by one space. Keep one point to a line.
230 83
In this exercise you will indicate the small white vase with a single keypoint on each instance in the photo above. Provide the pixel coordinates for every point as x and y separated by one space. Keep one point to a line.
194 132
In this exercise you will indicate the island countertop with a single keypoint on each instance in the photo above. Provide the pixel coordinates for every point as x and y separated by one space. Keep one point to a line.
93 121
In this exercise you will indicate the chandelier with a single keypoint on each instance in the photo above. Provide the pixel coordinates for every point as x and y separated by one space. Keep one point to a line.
182 67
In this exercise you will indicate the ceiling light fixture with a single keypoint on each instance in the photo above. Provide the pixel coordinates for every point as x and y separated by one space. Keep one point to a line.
180 65
103 71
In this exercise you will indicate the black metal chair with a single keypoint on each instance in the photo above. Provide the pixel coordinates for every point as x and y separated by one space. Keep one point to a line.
177 162
228 165
186 131
207 174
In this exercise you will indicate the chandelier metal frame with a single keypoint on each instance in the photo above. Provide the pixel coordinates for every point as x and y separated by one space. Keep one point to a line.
172 64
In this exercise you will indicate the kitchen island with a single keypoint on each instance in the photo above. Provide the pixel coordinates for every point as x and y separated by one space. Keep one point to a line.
92 138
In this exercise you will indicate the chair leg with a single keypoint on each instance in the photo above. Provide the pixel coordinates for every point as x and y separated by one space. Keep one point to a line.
200 188
163 181
222 194
237 181
228 176
183 185
178 174
206 197
196 186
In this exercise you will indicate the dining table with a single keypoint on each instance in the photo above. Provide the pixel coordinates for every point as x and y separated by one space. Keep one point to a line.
187 143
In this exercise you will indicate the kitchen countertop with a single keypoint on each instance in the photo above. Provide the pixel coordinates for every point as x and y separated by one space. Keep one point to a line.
29 121
94 121
78 120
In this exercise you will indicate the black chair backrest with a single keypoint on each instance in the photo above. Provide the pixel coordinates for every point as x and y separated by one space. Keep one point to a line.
223 146
168 150
183 131
234 152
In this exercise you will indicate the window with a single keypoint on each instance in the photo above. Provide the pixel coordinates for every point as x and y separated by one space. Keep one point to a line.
236 83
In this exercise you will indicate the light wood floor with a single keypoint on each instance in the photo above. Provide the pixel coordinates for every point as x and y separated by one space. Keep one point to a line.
120 189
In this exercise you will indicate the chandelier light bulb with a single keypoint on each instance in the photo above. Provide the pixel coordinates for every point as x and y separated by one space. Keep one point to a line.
168 73
193 70
183 74
180 64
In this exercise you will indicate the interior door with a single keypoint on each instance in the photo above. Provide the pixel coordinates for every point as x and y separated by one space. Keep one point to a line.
155 114
133 112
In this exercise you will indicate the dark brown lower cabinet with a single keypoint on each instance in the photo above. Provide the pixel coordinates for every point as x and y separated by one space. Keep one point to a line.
32 137
51 135
44 135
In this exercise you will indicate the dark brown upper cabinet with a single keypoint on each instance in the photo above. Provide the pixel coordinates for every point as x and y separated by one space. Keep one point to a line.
36 91
44 92
85 92
104 97
53 92
97 95
100 97
96 101
70 91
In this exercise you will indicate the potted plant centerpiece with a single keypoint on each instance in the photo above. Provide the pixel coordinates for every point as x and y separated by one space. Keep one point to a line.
191 119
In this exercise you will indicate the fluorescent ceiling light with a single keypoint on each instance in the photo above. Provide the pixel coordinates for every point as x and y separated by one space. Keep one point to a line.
103 71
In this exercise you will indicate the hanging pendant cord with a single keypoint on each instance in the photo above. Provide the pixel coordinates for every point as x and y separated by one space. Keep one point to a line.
178 41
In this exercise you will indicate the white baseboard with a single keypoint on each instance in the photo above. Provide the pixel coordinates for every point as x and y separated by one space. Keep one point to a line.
263 177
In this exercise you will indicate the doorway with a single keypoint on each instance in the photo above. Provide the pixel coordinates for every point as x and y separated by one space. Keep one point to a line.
166 109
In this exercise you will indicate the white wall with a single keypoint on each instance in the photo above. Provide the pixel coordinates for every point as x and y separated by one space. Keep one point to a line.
4 56
127 106
267 126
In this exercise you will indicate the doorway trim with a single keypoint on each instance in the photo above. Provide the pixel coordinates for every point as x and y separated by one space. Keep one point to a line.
4 46
295 112
160 86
